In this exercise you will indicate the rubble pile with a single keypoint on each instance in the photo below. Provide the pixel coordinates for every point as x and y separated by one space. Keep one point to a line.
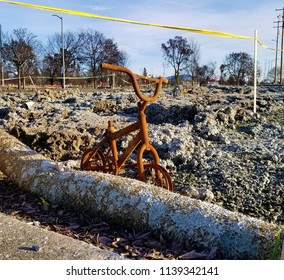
208 138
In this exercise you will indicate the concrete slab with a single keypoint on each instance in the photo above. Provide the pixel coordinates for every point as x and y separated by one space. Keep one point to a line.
21 241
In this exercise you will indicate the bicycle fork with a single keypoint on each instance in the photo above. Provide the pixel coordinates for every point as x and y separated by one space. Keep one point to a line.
146 146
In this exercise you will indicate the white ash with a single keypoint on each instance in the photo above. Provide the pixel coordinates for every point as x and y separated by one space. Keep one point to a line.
208 138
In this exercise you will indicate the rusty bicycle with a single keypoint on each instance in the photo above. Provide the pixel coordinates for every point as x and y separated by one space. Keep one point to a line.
104 157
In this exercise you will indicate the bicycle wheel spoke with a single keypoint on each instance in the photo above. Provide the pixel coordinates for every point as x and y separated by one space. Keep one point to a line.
157 175
93 160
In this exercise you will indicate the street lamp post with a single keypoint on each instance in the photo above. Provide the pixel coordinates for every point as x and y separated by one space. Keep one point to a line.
63 60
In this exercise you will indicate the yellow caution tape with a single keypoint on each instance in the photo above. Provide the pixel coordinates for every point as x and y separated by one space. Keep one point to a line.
77 13
264 46
59 10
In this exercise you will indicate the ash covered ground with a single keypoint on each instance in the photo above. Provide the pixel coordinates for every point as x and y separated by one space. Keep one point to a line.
208 138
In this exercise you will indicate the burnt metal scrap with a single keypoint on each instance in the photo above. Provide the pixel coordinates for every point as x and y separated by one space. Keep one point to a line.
105 156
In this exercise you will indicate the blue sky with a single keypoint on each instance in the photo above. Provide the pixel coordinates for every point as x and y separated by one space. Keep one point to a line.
143 43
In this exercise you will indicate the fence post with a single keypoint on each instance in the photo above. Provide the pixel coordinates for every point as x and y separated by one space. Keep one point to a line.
113 80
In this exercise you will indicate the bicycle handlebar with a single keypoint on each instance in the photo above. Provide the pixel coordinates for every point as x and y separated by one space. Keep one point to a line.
134 76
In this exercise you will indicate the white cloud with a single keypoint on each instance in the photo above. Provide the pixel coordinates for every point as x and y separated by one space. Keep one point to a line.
99 8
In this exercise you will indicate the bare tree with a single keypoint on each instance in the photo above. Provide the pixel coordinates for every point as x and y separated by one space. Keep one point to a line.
145 73
222 76
177 53
93 51
239 67
51 66
206 72
97 50
112 53
193 63
270 76
20 51
84 52
73 44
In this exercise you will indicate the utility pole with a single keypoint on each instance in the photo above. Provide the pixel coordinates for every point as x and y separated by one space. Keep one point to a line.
276 51
282 45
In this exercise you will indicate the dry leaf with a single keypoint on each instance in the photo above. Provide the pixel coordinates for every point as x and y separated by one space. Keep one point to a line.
153 244
142 235
73 226
192 255
104 240
212 254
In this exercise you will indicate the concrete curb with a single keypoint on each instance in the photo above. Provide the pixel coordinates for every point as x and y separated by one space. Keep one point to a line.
135 204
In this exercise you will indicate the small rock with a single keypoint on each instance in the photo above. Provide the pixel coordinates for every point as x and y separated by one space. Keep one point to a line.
35 248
